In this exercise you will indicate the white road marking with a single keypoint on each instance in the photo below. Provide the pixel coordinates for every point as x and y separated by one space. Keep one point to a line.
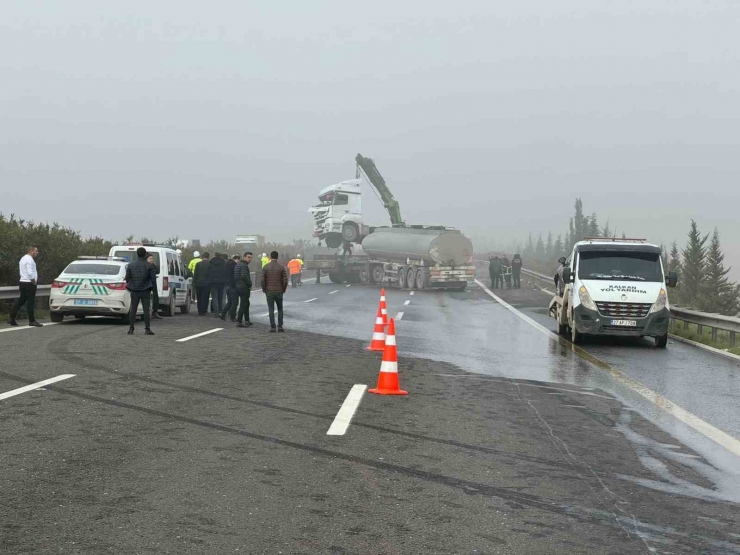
347 411
715 434
184 339
264 315
19 328
399 316
335 291
407 303
311 300
36 385
412 293
350 285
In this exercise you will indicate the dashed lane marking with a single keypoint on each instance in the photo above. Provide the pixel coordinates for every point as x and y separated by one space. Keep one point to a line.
399 316
335 291
20 328
347 411
715 434
184 339
407 303
412 293
349 285
36 385
311 300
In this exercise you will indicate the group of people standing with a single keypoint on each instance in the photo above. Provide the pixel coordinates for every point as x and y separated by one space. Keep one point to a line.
505 273
227 283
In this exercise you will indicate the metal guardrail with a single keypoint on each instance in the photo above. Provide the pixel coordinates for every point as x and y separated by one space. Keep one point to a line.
11 293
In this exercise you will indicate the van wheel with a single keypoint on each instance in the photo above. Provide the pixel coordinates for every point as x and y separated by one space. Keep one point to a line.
169 309
661 341
576 336
185 309
562 329
56 317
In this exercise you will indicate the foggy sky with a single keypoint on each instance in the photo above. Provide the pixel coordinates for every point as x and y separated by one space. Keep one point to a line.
210 119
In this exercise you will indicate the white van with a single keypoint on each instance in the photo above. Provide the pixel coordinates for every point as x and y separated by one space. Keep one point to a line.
173 287
614 287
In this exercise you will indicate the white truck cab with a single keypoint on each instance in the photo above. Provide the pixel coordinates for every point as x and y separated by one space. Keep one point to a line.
338 216
614 287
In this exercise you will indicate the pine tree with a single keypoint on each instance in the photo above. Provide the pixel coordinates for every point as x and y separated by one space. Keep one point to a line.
717 294
528 253
593 226
674 262
694 261
558 249
539 252
606 231
664 255
549 248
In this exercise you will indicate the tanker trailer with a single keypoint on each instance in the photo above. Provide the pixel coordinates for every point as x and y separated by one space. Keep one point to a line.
419 257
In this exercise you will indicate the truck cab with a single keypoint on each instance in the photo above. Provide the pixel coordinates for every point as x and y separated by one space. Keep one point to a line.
614 287
338 216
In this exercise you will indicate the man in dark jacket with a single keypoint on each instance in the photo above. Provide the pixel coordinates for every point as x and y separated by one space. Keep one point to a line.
217 280
243 283
494 272
201 283
516 270
274 285
140 278
232 300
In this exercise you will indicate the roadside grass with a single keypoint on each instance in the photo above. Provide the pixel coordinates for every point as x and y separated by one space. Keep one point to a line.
42 310
692 333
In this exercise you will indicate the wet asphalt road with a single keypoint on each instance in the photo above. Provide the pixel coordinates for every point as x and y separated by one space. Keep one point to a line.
218 445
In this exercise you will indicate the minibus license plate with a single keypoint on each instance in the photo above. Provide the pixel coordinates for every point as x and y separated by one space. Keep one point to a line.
628 323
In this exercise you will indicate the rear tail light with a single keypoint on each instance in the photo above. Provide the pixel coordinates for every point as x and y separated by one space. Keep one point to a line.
165 284
116 286
58 284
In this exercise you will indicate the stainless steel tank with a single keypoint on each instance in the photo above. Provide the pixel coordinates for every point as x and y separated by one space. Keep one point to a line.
446 247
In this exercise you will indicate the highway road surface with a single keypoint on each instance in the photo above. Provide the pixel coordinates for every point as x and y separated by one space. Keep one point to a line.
206 438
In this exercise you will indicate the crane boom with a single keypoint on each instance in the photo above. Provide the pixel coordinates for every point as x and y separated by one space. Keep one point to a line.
370 170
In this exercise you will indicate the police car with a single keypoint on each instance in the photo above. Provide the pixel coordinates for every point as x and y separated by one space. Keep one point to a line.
91 286
173 287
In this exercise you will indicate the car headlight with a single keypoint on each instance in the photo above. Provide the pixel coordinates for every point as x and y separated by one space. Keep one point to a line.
586 300
661 303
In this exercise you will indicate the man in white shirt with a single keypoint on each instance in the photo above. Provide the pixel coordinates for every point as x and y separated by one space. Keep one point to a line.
27 286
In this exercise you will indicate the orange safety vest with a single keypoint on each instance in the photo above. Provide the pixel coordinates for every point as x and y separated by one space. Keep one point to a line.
294 266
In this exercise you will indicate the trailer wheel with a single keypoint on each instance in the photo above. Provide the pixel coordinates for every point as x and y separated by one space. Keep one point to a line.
336 277
410 278
401 277
422 279
377 273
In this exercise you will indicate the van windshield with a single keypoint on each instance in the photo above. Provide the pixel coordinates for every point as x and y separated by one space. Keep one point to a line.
130 256
620 266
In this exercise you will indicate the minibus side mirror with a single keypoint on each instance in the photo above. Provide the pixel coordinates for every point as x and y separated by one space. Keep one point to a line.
671 280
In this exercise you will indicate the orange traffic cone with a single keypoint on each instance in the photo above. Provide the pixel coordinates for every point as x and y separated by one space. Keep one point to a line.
383 307
378 342
388 377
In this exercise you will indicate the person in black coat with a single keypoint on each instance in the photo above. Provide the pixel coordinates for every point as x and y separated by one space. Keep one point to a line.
217 280
201 281
140 278
243 284
232 300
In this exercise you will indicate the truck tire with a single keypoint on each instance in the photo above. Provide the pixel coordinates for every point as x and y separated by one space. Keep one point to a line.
56 317
661 341
401 277
410 278
422 279
377 274
350 233
333 240
336 277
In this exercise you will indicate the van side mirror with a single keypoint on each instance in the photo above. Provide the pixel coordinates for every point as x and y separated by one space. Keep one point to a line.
561 260
671 280
567 275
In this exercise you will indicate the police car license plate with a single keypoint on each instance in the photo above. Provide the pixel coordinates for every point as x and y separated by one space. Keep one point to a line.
86 302
627 323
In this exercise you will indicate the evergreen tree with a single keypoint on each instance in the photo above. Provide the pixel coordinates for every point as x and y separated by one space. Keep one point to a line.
717 294
606 231
593 226
664 255
549 248
694 261
674 261
557 248
528 253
